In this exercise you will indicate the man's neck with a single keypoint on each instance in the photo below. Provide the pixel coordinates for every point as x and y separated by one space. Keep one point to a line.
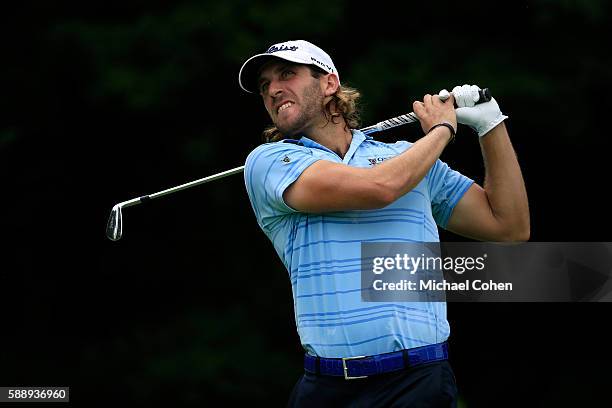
336 137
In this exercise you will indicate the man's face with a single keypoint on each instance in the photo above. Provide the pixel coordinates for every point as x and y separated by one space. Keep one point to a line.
292 97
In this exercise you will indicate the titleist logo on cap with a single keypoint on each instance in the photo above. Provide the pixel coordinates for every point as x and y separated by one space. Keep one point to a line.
274 48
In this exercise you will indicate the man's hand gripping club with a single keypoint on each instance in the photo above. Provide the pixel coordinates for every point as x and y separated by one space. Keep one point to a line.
483 117
436 110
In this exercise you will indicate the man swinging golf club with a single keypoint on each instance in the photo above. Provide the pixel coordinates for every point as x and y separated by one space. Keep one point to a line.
320 187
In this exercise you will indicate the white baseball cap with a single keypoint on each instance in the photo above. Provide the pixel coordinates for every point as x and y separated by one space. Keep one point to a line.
299 51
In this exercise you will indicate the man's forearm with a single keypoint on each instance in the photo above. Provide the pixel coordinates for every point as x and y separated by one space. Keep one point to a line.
504 183
402 173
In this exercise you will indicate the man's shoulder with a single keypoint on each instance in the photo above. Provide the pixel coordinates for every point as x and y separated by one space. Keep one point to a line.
282 156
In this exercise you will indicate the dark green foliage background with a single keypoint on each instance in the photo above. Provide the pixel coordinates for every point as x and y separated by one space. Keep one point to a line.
106 101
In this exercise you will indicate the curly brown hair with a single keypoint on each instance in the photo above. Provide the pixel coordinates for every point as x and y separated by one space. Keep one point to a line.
345 103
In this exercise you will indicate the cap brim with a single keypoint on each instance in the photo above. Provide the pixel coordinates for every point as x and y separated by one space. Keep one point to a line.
249 73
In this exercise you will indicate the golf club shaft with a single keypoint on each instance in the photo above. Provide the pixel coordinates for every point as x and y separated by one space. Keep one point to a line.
115 224
387 124
384 125
143 199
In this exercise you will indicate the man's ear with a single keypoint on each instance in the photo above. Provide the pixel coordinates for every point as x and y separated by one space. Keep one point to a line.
330 84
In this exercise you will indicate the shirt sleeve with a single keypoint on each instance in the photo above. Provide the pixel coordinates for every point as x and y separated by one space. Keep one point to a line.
446 187
269 170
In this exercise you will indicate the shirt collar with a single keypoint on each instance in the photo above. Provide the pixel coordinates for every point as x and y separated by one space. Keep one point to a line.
357 138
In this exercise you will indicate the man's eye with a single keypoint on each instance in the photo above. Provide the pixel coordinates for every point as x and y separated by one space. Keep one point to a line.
263 87
287 73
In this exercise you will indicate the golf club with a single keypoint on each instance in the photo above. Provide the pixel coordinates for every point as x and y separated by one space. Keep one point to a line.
114 228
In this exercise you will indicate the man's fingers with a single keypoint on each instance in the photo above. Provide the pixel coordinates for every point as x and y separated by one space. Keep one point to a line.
443 95
466 95
418 107
429 100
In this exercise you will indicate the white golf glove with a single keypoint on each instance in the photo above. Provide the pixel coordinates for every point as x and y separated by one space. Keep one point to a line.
482 117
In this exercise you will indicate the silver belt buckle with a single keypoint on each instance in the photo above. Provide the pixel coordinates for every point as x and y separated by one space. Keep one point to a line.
346 376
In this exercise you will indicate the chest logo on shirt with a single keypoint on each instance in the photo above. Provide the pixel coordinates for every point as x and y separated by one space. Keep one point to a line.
286 159
377 160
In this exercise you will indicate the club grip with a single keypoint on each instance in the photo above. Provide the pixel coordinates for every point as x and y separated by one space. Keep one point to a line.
484 95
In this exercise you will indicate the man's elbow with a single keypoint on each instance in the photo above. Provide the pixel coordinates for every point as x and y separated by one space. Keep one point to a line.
516 234
383 195
522 235
383 190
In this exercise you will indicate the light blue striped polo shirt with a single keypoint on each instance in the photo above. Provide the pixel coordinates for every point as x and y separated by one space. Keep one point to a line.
322 251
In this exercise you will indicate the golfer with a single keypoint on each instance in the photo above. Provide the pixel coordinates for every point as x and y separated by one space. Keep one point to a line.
320 187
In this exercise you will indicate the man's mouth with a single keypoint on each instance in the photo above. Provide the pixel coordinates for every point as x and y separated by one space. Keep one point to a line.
283 107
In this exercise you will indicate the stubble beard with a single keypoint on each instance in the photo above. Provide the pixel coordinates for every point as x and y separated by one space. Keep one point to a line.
311 109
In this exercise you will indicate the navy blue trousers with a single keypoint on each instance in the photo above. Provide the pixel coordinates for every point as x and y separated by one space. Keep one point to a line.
430 385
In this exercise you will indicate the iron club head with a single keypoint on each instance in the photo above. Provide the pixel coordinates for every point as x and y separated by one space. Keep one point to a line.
115 224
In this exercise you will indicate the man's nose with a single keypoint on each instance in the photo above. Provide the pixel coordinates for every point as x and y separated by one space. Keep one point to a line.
275 88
